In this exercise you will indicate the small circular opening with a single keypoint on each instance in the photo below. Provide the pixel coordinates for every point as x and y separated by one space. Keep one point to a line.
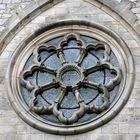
70 77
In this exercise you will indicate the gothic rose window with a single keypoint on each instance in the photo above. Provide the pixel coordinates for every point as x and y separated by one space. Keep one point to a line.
70 79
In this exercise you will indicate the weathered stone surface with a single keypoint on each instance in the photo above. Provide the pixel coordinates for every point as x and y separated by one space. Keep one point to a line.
110 129
126 126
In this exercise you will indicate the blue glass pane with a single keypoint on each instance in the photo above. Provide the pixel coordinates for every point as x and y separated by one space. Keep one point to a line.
51 95
87 117
98 53
89 61
29 62
54 41
41 101
99 100
53 62
51 118
108 76
71 55
97 77
88 94
32 78
113 60
70 77
44 55
27 96
69 101
72 44
113 94
68 113
44 78
71 50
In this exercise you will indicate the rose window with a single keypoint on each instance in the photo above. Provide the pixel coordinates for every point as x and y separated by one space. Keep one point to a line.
70 77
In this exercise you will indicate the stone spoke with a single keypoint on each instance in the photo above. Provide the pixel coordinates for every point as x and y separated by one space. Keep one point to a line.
56 106
61 56
113 70
90 84
60 97
82 108
82 55
48 69
76 115
78 96
93 69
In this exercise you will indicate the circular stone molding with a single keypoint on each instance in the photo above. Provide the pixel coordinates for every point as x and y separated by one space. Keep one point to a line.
68 68
74 76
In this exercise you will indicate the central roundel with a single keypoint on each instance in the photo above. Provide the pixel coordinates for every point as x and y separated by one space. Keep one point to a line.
70 76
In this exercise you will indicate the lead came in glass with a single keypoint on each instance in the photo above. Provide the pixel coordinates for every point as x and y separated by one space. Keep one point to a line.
71 79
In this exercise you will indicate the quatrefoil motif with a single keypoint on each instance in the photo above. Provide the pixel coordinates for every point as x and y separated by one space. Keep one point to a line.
71 77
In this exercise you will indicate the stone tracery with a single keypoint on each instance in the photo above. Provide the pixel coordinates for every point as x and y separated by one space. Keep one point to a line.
76 69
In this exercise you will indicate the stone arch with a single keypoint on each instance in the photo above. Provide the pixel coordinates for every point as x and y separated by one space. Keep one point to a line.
21 18
120 11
